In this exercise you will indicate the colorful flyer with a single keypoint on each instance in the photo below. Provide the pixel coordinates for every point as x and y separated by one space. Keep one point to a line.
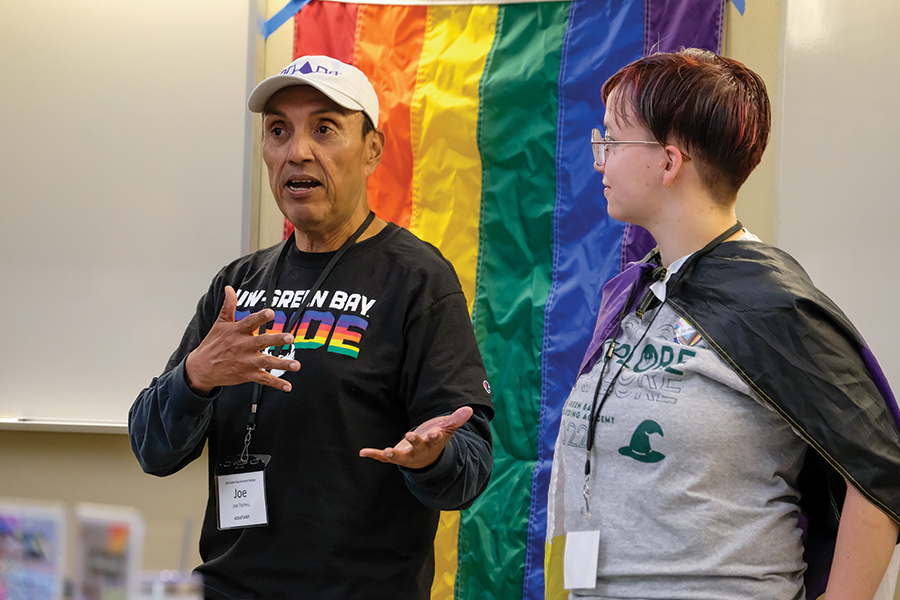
32 550
108 551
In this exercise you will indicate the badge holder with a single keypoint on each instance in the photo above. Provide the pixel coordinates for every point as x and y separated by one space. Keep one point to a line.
241 491
580 561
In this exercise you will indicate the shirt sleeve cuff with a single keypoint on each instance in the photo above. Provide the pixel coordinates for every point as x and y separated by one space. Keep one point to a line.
436 471
188 402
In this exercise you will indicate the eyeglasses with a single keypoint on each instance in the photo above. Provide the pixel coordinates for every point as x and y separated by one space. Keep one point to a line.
600 145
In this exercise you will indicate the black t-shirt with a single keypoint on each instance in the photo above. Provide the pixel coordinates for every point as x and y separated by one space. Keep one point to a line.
385 345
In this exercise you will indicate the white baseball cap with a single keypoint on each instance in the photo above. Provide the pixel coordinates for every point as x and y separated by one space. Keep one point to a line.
343 83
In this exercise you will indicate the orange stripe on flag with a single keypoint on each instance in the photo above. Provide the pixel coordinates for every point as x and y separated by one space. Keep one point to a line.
388 46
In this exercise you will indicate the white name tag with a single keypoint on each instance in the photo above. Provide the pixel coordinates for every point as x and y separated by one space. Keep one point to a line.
241 495
580 563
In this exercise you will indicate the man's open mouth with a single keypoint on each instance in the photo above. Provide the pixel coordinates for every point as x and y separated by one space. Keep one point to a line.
302 184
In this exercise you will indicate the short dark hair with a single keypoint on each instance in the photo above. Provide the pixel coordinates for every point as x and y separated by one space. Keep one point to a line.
367 126
717 107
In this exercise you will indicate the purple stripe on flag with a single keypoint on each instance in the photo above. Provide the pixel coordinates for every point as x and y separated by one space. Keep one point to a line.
669 26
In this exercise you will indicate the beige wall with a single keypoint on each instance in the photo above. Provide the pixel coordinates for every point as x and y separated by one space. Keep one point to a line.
279 52
74 467
100 468
754 38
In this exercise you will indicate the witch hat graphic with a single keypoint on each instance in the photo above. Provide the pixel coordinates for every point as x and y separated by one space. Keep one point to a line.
639 449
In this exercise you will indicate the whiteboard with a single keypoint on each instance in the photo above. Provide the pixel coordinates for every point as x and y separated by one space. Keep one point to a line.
124 178
838 207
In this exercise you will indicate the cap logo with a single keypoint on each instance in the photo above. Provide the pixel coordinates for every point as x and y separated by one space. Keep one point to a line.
306 69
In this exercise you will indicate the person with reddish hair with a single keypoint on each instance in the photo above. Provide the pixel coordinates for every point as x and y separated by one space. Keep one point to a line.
730 435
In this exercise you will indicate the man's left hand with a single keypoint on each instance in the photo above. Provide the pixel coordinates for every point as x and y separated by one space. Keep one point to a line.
422 446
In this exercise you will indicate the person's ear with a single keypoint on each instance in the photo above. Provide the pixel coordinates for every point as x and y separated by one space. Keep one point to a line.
672 164
375 148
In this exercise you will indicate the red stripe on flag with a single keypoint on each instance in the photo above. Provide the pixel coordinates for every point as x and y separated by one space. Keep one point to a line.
327 28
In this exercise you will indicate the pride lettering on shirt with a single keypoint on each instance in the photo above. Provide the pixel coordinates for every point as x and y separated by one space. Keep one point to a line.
339 330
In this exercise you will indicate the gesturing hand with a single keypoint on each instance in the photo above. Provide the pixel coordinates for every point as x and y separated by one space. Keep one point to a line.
421 447
231 354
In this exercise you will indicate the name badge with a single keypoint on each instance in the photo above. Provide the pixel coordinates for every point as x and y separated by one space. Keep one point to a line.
241 492
580 563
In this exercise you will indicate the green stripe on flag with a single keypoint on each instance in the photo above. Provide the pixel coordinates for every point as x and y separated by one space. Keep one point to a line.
517 141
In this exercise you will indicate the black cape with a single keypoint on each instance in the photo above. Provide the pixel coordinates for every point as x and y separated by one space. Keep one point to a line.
757 308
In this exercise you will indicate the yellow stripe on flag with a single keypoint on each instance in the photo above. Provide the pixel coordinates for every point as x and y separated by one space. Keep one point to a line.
554 555
444 128
445 556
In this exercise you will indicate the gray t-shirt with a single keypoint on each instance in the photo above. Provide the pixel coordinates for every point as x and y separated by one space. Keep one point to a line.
693 479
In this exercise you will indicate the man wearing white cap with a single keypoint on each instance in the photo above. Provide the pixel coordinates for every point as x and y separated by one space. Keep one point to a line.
390 371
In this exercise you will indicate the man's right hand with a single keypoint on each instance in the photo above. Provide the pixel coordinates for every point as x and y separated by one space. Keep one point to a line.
230 354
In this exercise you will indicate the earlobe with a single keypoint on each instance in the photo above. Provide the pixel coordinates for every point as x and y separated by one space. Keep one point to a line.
376 148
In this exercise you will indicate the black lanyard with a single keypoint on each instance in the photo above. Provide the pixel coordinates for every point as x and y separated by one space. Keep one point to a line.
295 318
279 266
658 275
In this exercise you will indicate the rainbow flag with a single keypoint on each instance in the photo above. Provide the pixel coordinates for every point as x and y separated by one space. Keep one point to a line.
487 109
